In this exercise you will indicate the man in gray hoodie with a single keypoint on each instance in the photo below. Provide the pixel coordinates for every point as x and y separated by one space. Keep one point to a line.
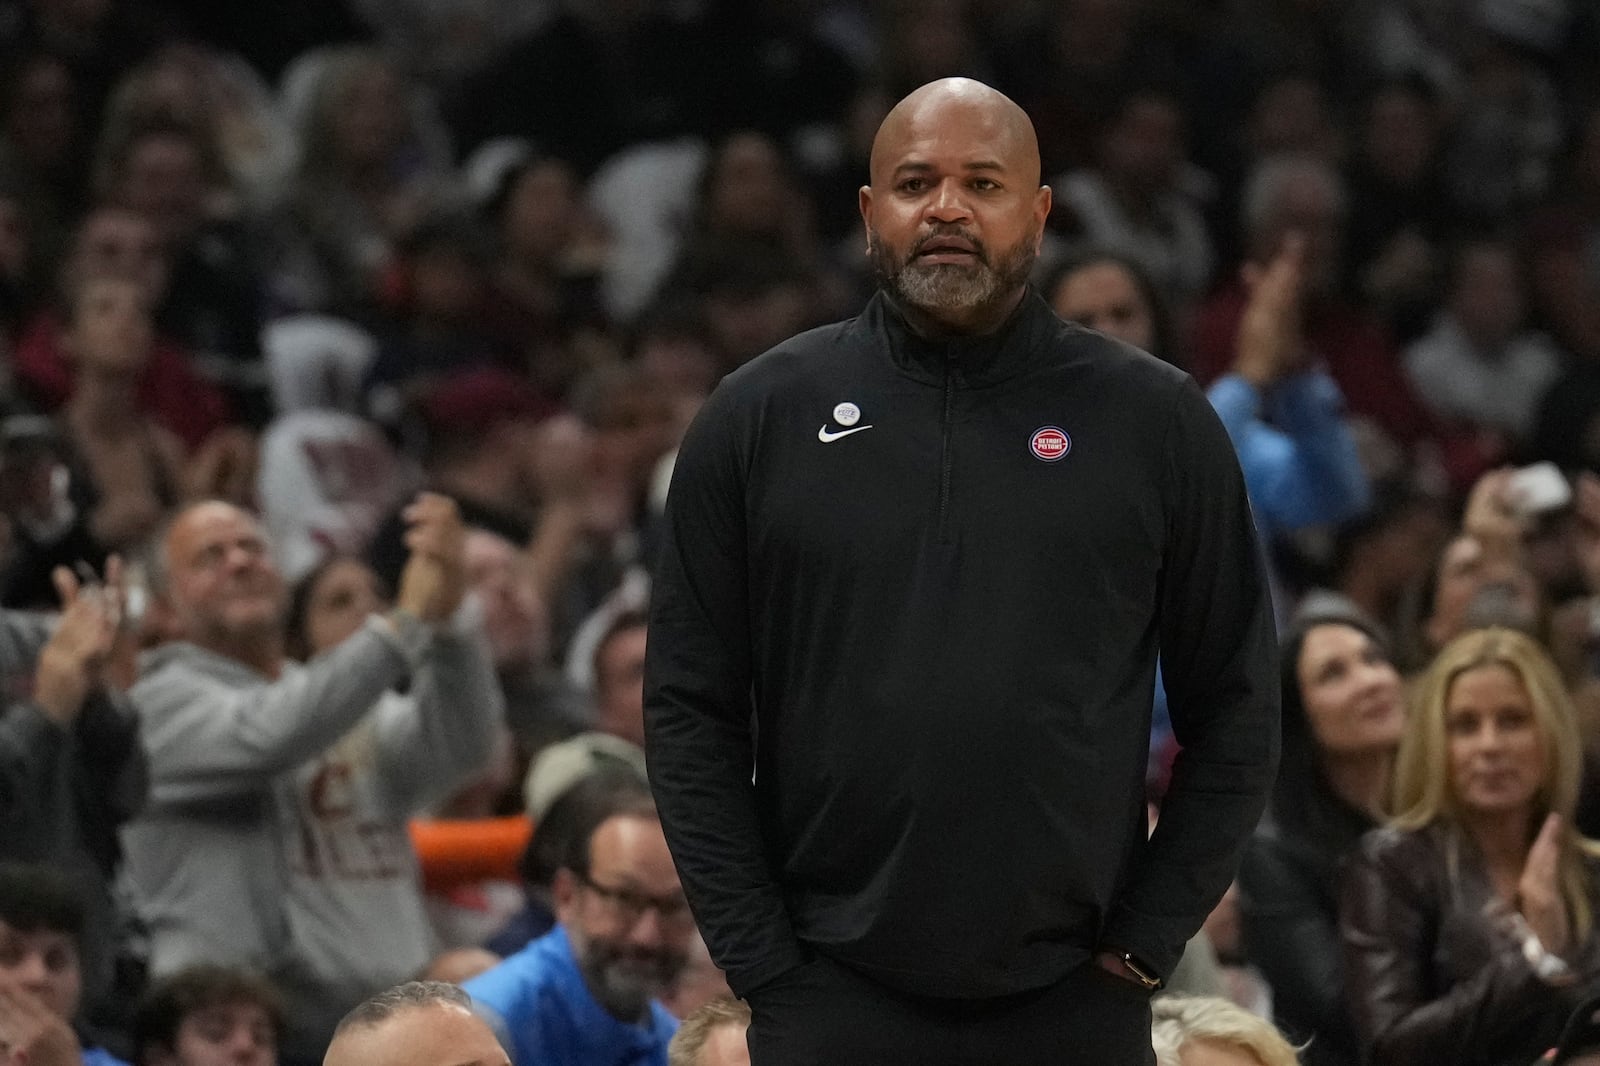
275 837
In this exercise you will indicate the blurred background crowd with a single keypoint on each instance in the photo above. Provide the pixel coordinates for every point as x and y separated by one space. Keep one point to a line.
311 256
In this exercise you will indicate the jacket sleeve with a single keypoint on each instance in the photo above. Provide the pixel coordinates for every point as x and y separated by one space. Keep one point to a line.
1389 915
112 756
35 764
23 634
208 738
1292 936
432 742
1220 667
1302 469
698 708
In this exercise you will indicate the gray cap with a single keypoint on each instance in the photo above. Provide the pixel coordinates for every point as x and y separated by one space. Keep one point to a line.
560 766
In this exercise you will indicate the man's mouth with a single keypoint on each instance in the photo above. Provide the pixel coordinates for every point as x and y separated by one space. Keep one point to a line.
946 250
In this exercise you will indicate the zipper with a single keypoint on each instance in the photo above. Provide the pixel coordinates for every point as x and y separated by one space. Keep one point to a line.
944 448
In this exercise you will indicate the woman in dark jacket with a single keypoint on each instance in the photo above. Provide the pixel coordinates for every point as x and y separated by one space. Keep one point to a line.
1343 713
1469 923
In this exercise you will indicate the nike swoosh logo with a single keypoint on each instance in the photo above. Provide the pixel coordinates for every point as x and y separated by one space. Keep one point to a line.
828 438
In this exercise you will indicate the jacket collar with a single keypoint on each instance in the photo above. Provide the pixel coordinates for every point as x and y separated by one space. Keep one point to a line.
979 360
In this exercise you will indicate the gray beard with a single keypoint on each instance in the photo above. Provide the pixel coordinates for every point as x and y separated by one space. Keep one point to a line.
624 991
936 288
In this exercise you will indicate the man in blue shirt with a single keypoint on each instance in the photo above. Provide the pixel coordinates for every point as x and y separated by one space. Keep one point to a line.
585 994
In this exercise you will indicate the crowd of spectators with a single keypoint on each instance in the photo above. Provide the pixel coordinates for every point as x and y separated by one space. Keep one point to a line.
269 272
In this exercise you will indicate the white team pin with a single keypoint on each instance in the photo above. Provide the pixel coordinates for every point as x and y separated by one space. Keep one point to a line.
847 414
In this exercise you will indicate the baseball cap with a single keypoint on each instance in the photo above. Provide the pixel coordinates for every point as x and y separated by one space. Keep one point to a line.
562 765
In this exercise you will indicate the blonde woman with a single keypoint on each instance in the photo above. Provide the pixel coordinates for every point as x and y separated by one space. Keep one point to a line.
1469 923
1211 1031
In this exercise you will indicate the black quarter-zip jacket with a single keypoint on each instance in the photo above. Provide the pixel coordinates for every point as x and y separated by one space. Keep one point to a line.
901 657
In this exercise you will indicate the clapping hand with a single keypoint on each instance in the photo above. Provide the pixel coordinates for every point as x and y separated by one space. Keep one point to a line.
434 579
1270 343
72 662
1539 889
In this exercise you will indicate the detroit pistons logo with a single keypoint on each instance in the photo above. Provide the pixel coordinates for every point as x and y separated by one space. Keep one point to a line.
1050 443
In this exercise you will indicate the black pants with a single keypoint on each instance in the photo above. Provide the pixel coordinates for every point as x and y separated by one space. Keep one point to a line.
824 1014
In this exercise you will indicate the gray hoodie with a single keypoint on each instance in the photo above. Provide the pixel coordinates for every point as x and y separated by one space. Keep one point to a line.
275 837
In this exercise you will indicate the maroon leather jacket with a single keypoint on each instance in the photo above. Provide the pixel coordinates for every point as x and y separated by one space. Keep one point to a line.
1433 971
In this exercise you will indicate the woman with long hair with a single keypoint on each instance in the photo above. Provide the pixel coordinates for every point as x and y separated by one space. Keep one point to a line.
1469 922
1343 714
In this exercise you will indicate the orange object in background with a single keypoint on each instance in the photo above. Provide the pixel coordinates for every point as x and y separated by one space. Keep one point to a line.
460 851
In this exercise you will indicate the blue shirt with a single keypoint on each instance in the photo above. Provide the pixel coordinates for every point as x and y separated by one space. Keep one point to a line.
1301 468
545 1016
94 1056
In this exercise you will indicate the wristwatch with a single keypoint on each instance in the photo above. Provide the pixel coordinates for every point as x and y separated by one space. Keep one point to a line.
1137 972
1549 967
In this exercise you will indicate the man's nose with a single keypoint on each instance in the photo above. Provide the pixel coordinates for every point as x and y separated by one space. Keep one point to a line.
647 931
948 203
32 971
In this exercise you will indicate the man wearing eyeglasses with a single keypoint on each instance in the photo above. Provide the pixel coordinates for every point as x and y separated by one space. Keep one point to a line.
586 993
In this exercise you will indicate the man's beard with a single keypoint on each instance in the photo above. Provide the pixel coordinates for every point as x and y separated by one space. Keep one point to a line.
937 289
624 982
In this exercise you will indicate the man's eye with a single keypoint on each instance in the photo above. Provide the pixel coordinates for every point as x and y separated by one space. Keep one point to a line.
912 185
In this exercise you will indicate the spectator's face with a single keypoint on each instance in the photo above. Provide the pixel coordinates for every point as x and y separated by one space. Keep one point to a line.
42 121
955 212
619 684
629 923
1401 135
164 181
1487 296
369 119
44 963
434 1035
1312 210
1496 747
1145 147
345 594
120 243
540 212
446 284
726 1046
226 1034
1105 297
1351 692
748 189
1465 571
111 330
514 617
224 586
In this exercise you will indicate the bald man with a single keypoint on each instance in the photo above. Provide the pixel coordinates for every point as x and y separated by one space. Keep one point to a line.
275 836
916 573
420 1023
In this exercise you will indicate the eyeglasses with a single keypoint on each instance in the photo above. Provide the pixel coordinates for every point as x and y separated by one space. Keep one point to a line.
629 906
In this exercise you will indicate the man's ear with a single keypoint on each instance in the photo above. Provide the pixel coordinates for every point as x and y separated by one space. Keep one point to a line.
564 894
1043 200
864 203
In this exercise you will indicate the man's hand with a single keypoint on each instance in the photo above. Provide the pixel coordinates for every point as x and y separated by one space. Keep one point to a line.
1491 518
435 577
71 663
31 1034
1270 341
